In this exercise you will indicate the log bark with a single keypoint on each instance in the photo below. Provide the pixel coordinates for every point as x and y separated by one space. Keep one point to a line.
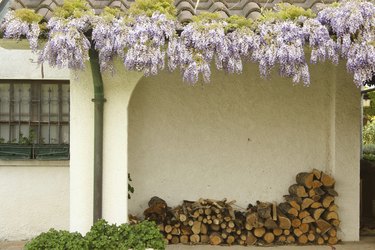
327 180
298 190
305 179
250 239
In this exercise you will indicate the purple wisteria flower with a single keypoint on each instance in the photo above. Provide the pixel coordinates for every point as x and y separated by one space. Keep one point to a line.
67 45
15 28
353 23
323 46
144 44
281 44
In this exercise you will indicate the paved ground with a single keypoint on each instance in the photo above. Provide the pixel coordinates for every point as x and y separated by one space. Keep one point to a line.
366 243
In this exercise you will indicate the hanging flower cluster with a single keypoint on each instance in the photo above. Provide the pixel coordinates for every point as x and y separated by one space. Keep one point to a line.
146 39
22 24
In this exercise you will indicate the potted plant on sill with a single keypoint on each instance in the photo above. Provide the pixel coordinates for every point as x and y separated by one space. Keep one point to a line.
21 149
51 151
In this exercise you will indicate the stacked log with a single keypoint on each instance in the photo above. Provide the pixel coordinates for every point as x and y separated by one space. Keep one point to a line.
307 216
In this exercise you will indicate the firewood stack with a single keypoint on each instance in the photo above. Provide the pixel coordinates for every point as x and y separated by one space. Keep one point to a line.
308 216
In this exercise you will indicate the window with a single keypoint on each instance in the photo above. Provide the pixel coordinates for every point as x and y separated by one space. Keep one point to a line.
34 119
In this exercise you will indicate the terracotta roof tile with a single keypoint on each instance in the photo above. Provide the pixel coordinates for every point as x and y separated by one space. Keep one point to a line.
185 8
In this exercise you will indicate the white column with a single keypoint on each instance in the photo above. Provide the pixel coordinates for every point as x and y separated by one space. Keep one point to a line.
346 155
117 90
81 150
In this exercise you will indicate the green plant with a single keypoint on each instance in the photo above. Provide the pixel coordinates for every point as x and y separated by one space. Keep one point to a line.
142 235
130 187
73 8
58 240
369 132
369 149
285 11
369 157
104 236
148 7
27 140
28 15
238 22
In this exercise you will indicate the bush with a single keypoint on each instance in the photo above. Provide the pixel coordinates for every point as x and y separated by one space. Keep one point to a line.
369 149
369 132
57 240
142 235
102 236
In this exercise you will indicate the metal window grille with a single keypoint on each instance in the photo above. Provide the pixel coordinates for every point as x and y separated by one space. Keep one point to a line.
35 113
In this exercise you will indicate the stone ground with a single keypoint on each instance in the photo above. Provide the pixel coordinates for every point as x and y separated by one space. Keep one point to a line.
366 243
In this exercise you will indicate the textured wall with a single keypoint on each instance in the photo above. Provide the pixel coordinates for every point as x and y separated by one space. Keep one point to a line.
34 198
243 138
34 194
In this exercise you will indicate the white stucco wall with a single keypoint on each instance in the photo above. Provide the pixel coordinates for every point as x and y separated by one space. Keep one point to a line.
244 138
34 198
239 137
34 194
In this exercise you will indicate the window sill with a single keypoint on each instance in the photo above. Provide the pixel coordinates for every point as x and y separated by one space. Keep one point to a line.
34 163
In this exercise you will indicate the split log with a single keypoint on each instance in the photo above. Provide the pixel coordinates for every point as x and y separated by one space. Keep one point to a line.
284 222
175 240
331 216
306 203
327 201
269 237
277 231
290 239
281 239
318 212
295 205
250 239
331 192
204 229
297 232
303 239
327 180
333 208
230 240
270 224
318 191
296 222
205 239
323 225
316 184
332 240
311 237
195 238
335 223
317 173
303 214
184 239
304 227
259 232
320 241
316 205
305 179
308 219
215 239
293 211
264 209
196 228
297 190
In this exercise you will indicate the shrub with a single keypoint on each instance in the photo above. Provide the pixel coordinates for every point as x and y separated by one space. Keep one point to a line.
142 235
369 149
103 236
369 133
58 240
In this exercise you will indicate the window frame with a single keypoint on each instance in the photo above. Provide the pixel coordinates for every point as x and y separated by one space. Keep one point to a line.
38 151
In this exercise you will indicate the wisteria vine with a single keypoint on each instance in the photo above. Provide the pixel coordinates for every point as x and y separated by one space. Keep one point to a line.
148 42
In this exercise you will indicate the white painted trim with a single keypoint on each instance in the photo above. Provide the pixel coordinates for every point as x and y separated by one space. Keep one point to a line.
34 163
